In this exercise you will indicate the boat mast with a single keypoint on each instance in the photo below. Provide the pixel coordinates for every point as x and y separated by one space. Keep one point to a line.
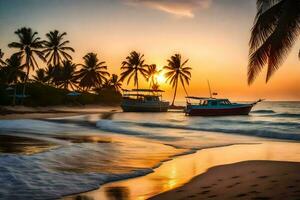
209 89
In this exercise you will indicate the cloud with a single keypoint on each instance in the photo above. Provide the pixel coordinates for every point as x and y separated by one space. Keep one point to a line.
182 8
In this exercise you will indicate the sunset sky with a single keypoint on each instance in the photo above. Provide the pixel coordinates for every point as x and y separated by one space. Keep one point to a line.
213 34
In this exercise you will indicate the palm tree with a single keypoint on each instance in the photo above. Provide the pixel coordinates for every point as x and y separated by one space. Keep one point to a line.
40 76
152 73
13 70
155 86
29 45
93 72
275 30
68 75
115 83
56 49
1 56
176 71
132 66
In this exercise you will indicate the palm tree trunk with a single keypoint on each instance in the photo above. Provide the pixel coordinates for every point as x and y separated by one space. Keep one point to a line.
175 92
137 83
24 86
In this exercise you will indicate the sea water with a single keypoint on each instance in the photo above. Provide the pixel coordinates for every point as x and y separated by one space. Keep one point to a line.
80 153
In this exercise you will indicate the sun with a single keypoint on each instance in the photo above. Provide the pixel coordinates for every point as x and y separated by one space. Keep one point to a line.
161 78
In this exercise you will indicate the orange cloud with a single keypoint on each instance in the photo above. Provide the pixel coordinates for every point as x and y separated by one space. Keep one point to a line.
182 8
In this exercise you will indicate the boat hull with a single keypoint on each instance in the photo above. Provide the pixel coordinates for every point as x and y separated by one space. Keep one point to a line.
132 106
144 108
241 110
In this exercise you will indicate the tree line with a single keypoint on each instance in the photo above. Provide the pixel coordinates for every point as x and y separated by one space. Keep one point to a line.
90 75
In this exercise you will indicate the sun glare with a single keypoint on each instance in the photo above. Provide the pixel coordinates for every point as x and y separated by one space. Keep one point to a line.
161 78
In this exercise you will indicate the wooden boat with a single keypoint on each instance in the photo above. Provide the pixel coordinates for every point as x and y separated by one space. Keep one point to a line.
143 100
216 107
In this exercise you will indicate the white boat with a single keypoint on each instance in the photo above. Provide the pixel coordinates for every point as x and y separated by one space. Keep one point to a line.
143 100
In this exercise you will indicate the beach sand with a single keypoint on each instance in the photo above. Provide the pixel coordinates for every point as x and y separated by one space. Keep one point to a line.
244 180
240 167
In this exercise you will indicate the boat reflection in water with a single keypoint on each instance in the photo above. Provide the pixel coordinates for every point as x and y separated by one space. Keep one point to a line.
143 100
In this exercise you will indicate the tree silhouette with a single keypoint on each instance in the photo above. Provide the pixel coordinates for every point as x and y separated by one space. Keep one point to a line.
176 71
29 46
152 73
40 76
56 49
93 72
68 75
1 58
275 30
132 67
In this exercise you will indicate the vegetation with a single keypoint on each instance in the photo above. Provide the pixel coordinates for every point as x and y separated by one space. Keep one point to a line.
177 71
152 74
1 56
40 76
29 46
275 30
132 67
93 72
55 48
52 84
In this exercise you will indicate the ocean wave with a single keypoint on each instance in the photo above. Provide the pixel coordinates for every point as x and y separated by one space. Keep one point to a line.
288 115
123 128
260 122
262 131
33 183
263 111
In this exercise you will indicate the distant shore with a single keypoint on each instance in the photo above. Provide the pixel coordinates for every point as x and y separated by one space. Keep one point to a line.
22 112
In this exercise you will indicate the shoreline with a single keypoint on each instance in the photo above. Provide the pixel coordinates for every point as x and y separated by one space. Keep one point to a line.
181 170
161 179
21 112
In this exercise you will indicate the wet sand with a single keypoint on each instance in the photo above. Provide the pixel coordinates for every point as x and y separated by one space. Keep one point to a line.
244 180
181 170
23 145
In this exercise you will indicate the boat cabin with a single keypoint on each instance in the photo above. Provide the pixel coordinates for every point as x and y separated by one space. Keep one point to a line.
144 95
206 101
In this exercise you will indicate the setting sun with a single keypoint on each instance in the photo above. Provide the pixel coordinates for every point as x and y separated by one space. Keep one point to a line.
161 78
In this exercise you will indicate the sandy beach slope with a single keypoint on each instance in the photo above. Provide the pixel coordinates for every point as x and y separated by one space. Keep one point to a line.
243 180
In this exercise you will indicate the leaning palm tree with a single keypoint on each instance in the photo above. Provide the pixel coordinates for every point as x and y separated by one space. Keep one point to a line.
275 30
68 75
152 73
55 48
176 71
93 72
40 76
29 46
132 67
